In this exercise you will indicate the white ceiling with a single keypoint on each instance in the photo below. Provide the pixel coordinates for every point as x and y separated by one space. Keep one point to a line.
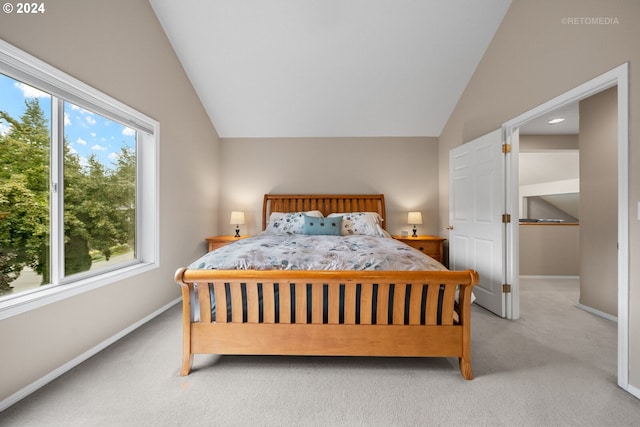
329 68
541 126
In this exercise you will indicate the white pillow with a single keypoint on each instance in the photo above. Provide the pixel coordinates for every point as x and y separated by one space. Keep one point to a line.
289 223
363 223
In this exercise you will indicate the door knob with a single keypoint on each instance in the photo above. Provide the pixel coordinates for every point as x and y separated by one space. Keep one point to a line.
449 227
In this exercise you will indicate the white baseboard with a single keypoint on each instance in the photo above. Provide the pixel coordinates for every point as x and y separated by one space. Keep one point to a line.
597 312
36 385
531 276
635 391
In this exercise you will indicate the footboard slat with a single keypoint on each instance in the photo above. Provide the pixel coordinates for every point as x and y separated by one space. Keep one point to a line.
301 302
268 303
221 302
448 303
333 303
366 305
350 304
415 304
285 302
204 300
431 315
382 304
235 290
399 294
253 303
316 297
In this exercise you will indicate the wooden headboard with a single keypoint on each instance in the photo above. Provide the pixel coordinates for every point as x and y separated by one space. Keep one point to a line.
325 203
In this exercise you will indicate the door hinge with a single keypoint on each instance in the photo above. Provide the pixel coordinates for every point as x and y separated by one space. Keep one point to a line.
506 218
506 148
506 288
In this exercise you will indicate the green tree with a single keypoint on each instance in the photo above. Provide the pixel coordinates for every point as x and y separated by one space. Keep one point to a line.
31 140
95 210
99 201
24 193
21 230
124 184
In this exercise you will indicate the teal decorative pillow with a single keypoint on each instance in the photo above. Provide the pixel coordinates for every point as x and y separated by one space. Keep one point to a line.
289 223
328 226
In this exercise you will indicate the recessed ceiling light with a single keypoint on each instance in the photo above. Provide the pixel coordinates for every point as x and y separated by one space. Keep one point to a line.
556 121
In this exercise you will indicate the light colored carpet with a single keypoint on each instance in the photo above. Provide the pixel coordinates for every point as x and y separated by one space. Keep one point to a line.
555 366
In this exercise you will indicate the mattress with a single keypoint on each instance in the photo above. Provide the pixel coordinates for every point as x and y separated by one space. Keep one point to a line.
268 251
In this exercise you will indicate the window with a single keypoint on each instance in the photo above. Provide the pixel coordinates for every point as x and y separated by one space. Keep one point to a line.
78 182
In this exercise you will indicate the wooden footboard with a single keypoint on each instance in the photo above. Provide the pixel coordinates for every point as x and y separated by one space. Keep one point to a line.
330 313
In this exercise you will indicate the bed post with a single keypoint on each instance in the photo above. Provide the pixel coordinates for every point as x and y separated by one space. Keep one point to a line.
187 356
465 321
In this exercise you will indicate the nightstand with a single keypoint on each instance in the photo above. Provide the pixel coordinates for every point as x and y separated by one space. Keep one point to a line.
216 242
429 245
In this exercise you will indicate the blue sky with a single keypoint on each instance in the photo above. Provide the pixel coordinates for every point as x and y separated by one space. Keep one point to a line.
87 133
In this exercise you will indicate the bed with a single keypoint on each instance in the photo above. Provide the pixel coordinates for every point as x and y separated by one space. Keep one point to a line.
286 309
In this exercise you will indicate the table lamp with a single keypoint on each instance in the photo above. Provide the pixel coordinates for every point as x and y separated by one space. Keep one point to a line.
414 218
237 218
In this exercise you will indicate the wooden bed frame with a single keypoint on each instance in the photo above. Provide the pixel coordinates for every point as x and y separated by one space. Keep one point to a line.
399 313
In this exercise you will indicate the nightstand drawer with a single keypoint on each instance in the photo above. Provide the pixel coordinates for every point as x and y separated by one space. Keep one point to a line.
429 248
216 242
429 245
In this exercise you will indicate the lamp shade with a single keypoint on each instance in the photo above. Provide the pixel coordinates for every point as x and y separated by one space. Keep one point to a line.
414 218
237 217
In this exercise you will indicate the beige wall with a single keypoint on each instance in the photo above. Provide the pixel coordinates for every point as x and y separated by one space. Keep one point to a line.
548 142
552 250
535 56
549 250
599 201
118 47
405 170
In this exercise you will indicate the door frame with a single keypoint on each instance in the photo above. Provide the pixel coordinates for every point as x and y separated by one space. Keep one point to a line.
619 77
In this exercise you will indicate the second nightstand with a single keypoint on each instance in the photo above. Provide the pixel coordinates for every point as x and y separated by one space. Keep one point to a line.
216 242
429 245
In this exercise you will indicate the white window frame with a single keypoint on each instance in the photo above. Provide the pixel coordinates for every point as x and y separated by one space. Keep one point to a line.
23 67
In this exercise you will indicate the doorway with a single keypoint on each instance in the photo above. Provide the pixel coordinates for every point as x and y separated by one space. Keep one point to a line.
568 202
617 77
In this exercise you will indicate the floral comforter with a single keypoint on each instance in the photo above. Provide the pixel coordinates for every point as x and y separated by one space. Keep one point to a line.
306 252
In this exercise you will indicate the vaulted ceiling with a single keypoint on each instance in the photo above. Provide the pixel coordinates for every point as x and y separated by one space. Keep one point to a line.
329 68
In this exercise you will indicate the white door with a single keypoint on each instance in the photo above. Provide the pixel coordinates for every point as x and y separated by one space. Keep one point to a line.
476 205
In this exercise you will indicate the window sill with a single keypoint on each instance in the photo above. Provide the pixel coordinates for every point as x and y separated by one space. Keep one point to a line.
47 295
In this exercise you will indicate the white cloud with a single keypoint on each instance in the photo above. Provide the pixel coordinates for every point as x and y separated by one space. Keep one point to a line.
90 120
84 162
81 141
80 109
128 131
98 147
67 120
31 92
114 156
93 134
4 129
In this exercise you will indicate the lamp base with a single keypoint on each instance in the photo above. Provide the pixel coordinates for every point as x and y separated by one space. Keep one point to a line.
415 232
237 232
